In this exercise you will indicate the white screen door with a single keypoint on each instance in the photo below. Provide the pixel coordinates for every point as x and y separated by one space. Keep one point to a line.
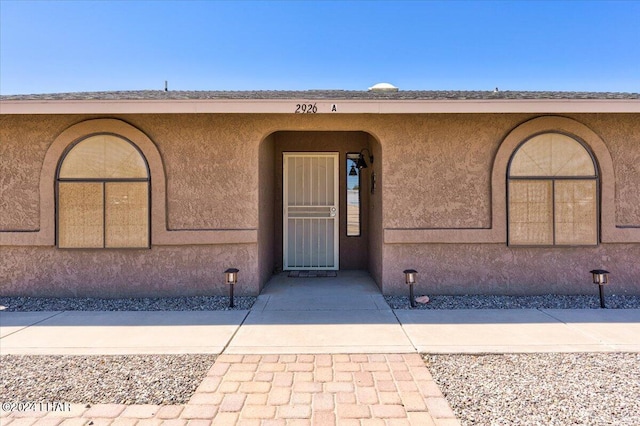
310 200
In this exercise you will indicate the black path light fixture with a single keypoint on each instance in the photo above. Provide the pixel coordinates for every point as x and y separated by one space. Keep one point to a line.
410 276
231 278
600 277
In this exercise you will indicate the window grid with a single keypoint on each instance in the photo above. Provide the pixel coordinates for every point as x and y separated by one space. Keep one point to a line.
555 181
142 201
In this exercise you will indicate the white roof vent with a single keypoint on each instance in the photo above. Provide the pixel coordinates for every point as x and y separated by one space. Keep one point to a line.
383 87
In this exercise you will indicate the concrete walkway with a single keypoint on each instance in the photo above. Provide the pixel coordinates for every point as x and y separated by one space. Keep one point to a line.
522 330
311 351
346 315
114 333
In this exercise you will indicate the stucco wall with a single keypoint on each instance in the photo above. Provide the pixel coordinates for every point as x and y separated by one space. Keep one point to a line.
441 165
212 177
450 189
440 162
266 160
621 133
434 172
376 245
159 271
498 269
437 169
24 141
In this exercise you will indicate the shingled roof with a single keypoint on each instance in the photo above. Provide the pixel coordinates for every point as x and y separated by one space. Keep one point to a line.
157 95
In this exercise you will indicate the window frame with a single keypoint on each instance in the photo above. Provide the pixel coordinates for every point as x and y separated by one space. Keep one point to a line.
553 179
104 182
347 159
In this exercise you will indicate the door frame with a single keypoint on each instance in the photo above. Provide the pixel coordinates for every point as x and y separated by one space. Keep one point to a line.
336 206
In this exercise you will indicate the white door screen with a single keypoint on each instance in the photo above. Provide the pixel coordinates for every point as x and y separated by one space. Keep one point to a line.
310 200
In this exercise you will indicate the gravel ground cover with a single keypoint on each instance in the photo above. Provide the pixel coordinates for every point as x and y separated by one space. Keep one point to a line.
196 303
540 389
547 301
218 303
114 379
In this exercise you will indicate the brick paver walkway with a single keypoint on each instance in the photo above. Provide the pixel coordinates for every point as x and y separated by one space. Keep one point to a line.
344 390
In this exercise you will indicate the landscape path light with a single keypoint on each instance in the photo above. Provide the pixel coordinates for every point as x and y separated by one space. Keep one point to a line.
410 276
231 278
600 277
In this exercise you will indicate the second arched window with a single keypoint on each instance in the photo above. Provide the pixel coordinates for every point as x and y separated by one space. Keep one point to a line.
552 193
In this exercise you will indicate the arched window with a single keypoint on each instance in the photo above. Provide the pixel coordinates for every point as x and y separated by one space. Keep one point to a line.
552 193
103 195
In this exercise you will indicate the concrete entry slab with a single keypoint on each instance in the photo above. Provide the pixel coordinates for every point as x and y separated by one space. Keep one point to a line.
111 333
361 331
345 314
350 290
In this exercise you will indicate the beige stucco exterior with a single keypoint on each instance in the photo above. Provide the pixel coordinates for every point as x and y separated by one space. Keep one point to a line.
439 204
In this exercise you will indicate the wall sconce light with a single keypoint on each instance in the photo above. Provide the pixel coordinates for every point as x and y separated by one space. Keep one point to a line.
231 278
361 163
410 276
600 277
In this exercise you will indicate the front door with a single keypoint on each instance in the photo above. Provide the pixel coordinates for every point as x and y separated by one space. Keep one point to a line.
310 200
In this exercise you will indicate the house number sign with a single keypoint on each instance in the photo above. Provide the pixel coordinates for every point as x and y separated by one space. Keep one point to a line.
306 109
311 108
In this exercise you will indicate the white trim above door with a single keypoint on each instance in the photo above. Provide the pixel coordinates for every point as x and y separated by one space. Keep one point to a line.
311 210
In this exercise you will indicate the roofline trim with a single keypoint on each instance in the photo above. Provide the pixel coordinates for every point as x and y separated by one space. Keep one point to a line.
324 106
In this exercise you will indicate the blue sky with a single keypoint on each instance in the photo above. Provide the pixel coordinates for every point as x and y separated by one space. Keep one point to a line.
61 46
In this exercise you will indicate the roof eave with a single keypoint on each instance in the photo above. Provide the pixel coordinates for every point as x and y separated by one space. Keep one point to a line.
324 106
